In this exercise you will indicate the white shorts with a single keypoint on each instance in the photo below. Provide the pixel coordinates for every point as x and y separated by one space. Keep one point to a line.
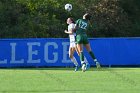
72 44
72 40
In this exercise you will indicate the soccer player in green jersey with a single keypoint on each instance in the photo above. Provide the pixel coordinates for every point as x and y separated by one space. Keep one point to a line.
82 39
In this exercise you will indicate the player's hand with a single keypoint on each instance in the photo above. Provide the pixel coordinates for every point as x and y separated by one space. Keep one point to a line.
65 31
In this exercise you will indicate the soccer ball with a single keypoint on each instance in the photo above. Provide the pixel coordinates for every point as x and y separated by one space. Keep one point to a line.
68 7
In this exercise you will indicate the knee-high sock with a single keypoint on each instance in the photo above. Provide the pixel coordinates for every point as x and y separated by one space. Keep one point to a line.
74 61
85 59
82 57
93 56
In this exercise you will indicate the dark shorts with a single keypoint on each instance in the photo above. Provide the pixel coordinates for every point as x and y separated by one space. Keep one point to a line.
82 39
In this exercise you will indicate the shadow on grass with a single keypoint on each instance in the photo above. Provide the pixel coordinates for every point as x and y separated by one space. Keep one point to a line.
48 91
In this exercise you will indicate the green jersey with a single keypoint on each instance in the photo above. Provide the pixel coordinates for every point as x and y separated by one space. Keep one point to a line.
81 26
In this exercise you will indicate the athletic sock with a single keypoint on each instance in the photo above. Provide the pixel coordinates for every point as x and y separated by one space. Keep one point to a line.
95 60
92 55
85 59
74 61
82 62
81 56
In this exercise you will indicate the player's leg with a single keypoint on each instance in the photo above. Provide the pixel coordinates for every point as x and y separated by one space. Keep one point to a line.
92 55
73 59
85 59
81 54
79 40
87 64
80 49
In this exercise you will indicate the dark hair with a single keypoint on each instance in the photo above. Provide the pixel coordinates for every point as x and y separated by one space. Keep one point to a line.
72 20
87 16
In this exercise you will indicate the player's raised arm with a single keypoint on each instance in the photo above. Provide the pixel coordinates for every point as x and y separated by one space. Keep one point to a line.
69 32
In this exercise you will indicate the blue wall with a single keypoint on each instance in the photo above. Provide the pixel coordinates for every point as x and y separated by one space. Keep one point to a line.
54 52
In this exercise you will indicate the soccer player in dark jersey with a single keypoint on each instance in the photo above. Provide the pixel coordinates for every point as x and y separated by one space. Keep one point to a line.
82 39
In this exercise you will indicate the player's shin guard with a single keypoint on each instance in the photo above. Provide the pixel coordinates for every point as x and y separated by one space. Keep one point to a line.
81 57
87 64
85 59
92 54
82 62
95 60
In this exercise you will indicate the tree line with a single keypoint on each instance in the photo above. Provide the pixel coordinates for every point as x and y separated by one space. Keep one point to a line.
47 18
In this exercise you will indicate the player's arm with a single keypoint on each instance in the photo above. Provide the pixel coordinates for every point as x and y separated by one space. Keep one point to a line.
76 25
69 32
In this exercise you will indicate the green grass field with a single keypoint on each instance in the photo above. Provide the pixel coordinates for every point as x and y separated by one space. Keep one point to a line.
65 80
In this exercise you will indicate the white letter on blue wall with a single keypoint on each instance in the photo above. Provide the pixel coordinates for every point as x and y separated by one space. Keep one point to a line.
13 55
31 52
65 52
47 52
4 61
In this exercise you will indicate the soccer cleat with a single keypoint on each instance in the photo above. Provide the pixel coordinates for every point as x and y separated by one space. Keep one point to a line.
76 68
98 65
83 67
87 66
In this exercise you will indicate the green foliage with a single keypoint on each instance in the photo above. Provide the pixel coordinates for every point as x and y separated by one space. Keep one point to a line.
110 19
132 8
47 18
